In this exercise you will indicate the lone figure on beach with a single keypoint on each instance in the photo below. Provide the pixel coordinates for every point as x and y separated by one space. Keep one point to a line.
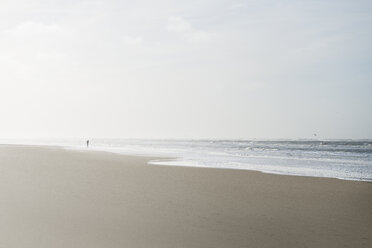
87 143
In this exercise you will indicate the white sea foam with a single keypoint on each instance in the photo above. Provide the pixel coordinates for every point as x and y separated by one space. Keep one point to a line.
345 159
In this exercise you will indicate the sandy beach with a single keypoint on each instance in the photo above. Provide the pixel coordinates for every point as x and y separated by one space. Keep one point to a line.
51 197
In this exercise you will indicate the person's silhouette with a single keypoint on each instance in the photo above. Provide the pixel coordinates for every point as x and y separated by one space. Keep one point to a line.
87 143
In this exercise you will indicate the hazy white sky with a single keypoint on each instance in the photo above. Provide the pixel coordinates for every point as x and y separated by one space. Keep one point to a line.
185 69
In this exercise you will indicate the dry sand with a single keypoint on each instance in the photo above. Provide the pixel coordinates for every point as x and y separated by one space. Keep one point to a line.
50 197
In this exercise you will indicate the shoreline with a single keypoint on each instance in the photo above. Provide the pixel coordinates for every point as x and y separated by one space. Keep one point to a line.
51 197
161 161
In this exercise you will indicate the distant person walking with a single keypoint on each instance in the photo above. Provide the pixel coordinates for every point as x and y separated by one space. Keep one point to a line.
87 143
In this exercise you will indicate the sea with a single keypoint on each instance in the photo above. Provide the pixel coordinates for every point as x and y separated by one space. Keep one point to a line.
343 159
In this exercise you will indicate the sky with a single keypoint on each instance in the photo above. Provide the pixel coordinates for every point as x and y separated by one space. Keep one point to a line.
205 69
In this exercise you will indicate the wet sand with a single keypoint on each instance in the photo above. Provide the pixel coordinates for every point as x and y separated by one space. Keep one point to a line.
50 197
